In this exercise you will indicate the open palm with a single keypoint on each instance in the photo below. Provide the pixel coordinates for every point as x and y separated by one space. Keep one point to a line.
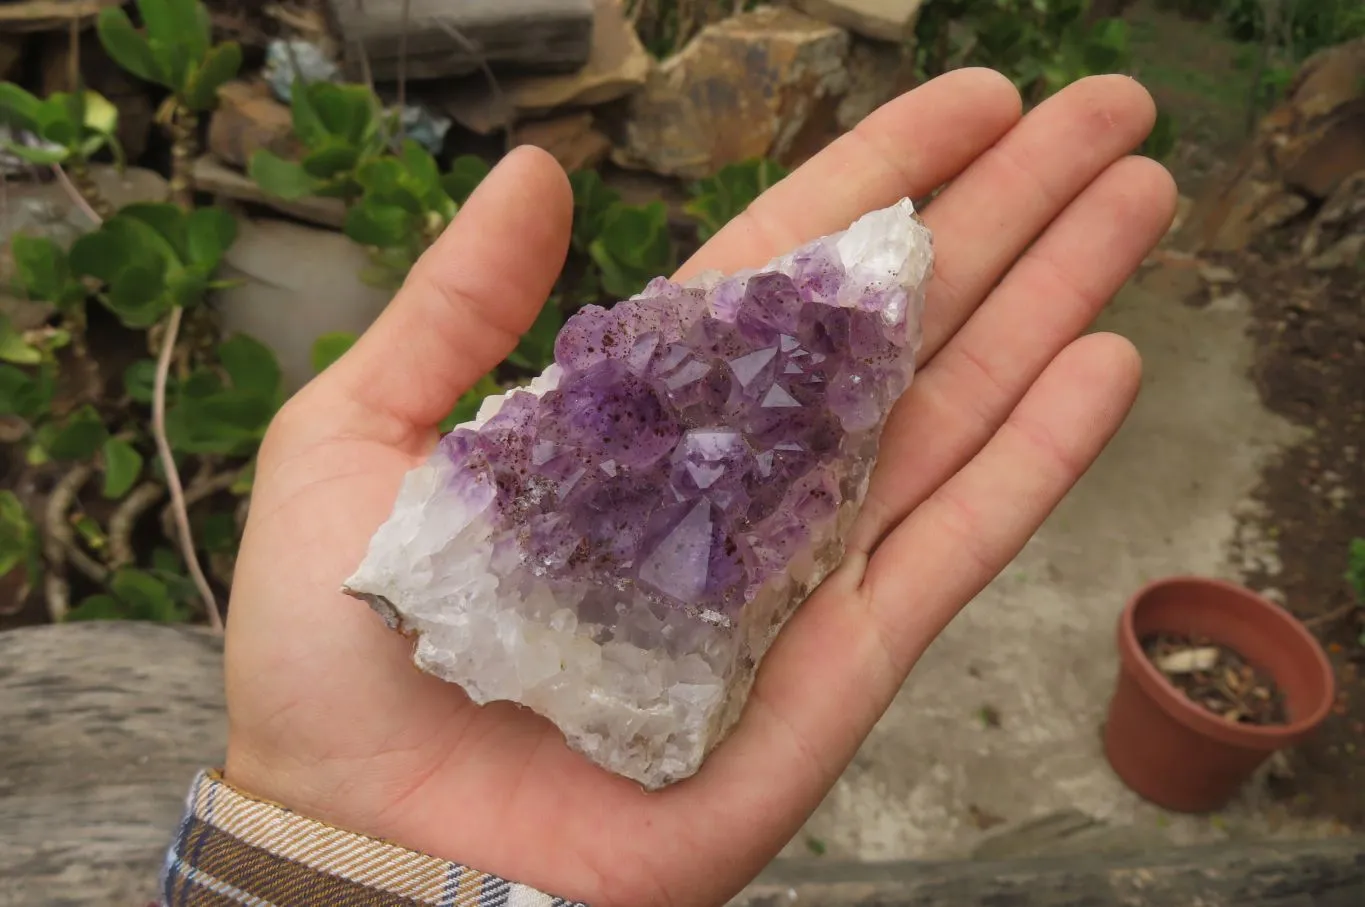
1043 219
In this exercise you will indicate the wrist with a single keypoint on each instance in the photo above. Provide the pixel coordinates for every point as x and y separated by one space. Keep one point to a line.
258 850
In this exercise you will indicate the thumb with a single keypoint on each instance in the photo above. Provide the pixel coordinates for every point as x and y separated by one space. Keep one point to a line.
466 302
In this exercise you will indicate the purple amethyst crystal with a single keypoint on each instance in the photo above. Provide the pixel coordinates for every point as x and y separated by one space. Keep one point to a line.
615 545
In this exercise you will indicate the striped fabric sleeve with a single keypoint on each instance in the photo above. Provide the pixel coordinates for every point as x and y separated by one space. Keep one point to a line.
235 851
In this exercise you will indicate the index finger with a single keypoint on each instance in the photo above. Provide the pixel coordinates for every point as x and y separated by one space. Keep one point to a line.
906 148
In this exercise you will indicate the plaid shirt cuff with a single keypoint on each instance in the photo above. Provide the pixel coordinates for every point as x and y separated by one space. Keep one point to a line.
233 850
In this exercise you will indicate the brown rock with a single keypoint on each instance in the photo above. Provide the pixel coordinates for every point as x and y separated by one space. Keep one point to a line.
618 65
248 119
885 20
1326 112
1341 218
1302 152
100 73
752 85
571 139
877 72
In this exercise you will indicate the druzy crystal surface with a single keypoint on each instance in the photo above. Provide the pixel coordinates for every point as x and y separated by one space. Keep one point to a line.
616 545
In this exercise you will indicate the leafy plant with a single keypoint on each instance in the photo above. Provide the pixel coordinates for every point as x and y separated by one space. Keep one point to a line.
18 538
627 245
226 411
719 199
405 204
1042 45
69 126
151 258
1355 575
174 49
134 595
341 128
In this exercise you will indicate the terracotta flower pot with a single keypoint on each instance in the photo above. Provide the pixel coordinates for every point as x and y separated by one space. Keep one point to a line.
1173 752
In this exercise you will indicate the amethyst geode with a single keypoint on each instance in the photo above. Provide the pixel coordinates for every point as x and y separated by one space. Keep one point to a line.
616 545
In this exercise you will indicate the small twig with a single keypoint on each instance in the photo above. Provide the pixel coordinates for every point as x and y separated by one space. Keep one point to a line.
1332 616
499 98
203 486
125 519
163 449
58 542
76 196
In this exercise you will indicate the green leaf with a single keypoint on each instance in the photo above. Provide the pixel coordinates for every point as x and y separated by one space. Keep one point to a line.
101 116
145 596
331 160
209 233
719 199
592 199
245 479
467 407
122 467
41 265
173 45
633 247
139 380
187 287
229 423
281 178
1355 568
329 348
344 111
217 532
162 227
466 172
127 48
378 225
44 157
251 366
104 252
79 436
308 126
138 295
98 607
14 348
18 536
536 348
18 108
218 67
423 174
24 395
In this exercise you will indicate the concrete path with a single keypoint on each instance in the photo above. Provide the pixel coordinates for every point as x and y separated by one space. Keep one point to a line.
1036 649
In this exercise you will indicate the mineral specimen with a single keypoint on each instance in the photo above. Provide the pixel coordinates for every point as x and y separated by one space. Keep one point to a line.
616 545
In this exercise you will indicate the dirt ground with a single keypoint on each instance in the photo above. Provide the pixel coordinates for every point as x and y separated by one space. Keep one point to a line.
1310 368
1309 335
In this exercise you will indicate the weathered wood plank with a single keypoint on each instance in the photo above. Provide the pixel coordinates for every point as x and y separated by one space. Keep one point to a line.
1322 873
448 39
102 727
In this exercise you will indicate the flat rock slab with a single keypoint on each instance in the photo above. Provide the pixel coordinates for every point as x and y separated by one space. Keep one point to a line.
451 39
102 728
885 20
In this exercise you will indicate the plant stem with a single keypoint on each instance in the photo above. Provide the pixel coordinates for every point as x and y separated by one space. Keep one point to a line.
163 450
183 125
57 541
124 521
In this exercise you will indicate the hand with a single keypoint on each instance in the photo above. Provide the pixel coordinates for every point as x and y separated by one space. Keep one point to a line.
1043 220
